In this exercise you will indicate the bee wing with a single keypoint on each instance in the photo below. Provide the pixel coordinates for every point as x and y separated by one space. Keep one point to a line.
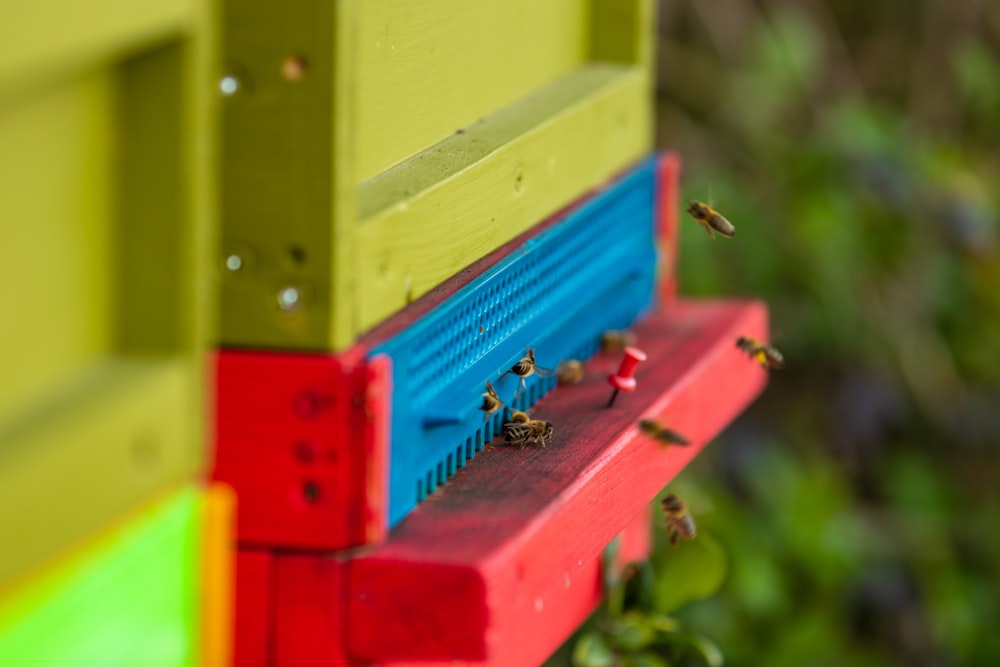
544 372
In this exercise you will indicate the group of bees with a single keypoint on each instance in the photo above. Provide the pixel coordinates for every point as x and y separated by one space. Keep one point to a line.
521 430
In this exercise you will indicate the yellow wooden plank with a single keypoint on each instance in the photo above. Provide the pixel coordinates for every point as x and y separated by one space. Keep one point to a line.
107 440
426 68
106 220
40 38
438 212
56 267
337 182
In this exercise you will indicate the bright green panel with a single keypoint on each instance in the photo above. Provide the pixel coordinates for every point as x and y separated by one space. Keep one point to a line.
56 213
425 69
130 598
41 37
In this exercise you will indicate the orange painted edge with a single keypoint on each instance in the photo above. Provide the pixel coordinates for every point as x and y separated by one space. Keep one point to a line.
217 575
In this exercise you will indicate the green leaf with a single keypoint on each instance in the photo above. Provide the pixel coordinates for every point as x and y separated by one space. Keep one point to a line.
592 651
633 633
647 659
701 645
693 571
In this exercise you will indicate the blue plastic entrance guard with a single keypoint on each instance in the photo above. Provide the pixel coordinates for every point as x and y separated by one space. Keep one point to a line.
557 293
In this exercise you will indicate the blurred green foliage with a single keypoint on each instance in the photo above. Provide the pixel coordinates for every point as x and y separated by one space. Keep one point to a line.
856 147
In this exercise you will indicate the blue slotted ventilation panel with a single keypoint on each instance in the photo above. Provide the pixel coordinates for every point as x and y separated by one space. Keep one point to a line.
557 293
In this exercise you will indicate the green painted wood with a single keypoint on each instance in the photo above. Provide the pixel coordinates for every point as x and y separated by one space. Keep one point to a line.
341 194
129 597
106 219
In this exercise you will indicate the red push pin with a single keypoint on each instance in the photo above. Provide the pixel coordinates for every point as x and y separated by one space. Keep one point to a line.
623 380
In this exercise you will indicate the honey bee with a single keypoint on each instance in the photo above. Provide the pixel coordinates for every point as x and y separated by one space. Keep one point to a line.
491 401
710 219
766 355
569 371
679 522
615 342
521 430
661 433
525 367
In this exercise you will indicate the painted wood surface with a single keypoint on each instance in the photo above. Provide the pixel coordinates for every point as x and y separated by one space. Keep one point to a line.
48 38
129 597
357 234
428 67
489 570
668 223
303 440
253 609
106 221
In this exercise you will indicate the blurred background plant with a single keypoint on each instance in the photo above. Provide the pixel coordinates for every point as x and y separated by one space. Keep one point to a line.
856 147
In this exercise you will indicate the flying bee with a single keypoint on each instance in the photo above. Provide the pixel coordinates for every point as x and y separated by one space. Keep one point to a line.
661 433
525 367
491 402
679 522
615 341
521 430
766 355
710 219
569 371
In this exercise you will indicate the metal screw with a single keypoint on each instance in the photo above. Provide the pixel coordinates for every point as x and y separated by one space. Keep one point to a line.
288 298
229 85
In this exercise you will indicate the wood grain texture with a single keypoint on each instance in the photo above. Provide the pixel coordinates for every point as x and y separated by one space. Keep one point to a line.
349 184
429 67
499 558
445 208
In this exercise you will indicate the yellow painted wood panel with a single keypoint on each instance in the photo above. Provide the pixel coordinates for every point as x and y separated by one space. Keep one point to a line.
427 68
439 212
99 446
56 216
41 37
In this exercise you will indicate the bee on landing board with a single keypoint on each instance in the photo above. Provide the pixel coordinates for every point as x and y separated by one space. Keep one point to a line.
661 433
569 371
491 402
766 355
615 341
679 521
522 429
526 367
710 219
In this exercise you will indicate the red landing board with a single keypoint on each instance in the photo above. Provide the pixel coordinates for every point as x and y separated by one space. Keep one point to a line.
498 568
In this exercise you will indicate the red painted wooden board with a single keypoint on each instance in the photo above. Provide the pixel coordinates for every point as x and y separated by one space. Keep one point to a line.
303 438
668 191
310 628
498 568
252 609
